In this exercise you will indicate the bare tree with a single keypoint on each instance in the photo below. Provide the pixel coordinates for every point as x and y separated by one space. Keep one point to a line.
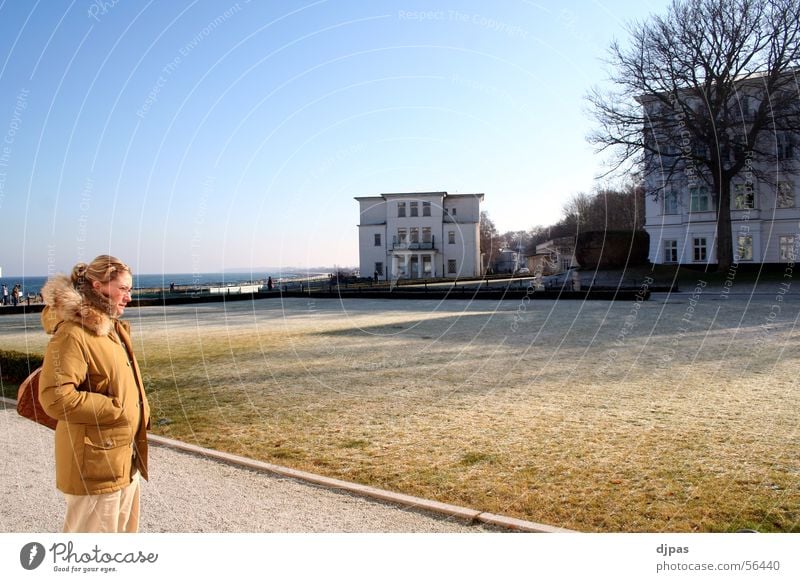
606 208
706 93
537 235
515 239
490 240
619 209
577 211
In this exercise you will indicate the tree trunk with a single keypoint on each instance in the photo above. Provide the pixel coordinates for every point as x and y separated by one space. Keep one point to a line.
724 234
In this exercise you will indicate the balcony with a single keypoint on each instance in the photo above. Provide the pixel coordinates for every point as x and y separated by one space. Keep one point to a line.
404 245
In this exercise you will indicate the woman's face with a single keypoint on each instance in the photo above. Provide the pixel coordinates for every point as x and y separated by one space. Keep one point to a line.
117 290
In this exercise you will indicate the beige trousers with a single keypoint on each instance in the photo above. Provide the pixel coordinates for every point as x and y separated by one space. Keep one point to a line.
116 512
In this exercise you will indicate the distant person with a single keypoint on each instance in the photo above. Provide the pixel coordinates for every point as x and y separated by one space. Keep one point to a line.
15 294
92 385
5 294
375 276
576 281
172 287
270 284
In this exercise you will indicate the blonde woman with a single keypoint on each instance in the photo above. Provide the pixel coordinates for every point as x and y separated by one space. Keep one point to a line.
92 385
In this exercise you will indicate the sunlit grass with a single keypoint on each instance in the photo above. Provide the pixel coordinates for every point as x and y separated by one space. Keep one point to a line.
592 416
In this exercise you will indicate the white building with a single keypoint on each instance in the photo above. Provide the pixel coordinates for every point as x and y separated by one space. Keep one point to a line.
420 235
765 218
558 254
507 261
764 224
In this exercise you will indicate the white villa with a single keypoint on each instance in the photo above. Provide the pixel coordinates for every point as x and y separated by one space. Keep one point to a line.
765 217
420 235
765 223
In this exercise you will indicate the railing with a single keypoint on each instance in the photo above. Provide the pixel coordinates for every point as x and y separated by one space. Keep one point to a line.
414 246
398 245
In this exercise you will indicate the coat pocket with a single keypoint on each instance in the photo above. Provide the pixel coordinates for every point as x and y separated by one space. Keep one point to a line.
107 453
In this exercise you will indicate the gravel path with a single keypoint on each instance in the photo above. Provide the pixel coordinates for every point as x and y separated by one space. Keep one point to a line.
188 493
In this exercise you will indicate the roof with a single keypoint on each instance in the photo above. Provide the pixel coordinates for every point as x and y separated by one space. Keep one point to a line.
754 78
388 195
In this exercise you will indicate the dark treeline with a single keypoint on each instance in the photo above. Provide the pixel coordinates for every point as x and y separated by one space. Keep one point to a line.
605 209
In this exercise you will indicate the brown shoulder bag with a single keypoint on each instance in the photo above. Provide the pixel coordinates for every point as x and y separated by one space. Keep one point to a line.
28 401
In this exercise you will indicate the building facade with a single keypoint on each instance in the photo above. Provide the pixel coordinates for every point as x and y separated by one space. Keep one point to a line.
680 210
765 223
507 261
555 256
420 235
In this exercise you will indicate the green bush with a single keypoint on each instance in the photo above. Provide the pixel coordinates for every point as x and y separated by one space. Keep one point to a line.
16 366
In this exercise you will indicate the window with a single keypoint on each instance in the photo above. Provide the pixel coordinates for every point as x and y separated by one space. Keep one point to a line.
414 235
451 266
426 209
744 248
744 196
377 240
700 201
402 236
785 146
401 209
666 153
414 209
787 248
427 265
700 249
453 211
670 251
426 234
700 150
733 151
379 269
747 106
451 237
670 202
785 195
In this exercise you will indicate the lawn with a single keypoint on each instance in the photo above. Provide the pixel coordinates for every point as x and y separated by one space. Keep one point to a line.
675 414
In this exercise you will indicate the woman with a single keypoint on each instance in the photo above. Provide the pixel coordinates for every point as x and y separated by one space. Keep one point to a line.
92 385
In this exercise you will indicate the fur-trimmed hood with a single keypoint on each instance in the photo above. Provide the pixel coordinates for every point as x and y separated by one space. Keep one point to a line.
63 302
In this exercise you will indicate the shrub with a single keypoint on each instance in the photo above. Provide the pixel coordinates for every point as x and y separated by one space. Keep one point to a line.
16 366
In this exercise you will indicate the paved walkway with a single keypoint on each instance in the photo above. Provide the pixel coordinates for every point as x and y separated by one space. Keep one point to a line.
194 493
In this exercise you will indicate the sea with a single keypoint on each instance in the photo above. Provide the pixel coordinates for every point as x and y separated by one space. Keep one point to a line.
163 280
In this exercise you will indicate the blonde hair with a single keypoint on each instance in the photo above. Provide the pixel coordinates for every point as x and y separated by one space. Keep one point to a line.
103 269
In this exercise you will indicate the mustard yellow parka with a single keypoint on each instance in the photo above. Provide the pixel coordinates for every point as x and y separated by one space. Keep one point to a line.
92 385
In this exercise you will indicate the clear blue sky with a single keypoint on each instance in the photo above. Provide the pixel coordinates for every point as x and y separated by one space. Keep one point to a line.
189 136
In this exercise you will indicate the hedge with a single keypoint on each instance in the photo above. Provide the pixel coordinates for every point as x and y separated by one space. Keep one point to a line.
612 249
16 366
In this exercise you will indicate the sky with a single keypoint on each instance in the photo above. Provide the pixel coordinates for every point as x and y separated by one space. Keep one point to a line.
202 136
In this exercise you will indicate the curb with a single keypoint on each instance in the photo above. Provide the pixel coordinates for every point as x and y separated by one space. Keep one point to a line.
407 501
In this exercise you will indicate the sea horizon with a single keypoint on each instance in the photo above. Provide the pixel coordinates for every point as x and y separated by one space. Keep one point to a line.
34 283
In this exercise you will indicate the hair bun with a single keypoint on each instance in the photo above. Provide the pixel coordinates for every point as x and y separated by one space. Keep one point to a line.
79 273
